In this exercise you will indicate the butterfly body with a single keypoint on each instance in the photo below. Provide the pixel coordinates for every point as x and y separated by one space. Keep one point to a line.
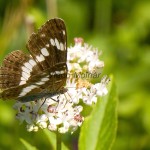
41 95
43 73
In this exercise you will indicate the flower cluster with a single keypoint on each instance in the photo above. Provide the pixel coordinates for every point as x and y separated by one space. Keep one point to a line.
83 58
63 112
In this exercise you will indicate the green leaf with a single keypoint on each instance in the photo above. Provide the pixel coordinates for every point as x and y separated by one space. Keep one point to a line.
27 145
52 139
99 129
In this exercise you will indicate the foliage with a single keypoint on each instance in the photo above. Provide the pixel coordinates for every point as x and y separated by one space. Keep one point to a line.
99 129
122 30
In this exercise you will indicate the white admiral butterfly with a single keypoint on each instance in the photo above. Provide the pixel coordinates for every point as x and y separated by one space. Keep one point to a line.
43 73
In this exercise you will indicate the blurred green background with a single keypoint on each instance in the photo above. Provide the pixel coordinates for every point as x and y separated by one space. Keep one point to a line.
120 28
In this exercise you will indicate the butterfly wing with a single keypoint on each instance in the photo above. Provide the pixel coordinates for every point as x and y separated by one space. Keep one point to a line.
44 71
40 85
48 45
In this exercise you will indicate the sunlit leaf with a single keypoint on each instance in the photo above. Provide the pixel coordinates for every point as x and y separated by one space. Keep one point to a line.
28 145
99 129
52 139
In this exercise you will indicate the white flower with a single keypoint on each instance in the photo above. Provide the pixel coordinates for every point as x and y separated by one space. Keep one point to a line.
89 97
26 112
80 54
95 66
52 127
42 121
31 127
75 67
63 112
101 88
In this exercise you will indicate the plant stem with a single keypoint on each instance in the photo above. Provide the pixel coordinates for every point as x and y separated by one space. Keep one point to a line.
58 140
51 8
103 9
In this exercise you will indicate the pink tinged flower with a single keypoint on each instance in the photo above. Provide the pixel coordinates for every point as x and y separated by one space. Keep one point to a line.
78 41
79 119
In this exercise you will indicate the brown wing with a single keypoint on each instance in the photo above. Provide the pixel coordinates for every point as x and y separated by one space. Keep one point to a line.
48 45
48 54
16 69
41 83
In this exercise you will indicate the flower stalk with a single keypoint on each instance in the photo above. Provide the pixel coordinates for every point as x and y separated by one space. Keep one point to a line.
58 140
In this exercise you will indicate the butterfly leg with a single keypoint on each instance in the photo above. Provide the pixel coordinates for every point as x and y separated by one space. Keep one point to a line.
55 99
42 105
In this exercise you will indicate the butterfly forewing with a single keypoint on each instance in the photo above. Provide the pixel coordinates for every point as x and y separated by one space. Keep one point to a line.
44 72
48 45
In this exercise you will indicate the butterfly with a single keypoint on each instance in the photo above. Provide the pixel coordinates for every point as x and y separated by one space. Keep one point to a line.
43 72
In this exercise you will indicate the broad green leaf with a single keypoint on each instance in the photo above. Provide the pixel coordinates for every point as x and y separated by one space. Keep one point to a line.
28 145
99 129
52 139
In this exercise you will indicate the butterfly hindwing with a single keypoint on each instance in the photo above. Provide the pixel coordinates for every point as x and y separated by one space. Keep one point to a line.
40 83
16 69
